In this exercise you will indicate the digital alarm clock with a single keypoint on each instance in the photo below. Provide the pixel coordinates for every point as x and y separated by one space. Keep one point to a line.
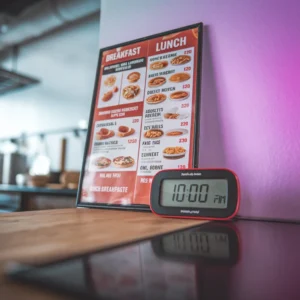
211 194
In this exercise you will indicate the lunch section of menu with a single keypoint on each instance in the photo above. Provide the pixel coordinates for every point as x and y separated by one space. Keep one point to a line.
144 117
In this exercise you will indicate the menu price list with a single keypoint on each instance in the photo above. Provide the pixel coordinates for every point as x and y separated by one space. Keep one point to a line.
166 136
112 137
112 163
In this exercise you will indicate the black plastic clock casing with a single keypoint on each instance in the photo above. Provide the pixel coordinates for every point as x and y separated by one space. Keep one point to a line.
196 213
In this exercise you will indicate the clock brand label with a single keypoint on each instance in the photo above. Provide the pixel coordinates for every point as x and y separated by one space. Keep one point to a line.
191 174
188 211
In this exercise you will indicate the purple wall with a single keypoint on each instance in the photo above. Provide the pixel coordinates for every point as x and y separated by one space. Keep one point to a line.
250 119
268 266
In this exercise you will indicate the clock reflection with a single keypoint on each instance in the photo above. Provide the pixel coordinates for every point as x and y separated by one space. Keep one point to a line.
188 264
212 243
210 251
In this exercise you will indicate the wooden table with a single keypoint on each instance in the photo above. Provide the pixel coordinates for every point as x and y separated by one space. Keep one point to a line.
38 236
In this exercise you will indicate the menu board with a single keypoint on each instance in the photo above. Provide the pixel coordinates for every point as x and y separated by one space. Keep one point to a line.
144 117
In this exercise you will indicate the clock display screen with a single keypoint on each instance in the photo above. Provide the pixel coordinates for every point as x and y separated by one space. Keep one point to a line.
194 193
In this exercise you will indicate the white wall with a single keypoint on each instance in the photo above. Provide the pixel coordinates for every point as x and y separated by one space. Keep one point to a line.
65 62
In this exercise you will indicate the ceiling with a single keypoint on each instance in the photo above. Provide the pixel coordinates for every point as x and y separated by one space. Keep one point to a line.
22 21
13 8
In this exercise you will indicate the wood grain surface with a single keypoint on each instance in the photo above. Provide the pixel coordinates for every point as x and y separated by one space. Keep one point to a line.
41 236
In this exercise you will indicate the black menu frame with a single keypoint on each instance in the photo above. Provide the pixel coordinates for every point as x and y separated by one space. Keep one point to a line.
195 150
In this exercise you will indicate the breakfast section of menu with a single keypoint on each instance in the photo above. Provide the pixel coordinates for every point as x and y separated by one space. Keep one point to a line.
143 119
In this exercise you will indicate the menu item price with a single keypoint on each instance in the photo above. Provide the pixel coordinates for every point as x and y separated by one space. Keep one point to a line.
156 81
133 77
131 91
186 86
102 162
124 131
104 133
156 98
181 166
110 80
123 162
183 140
185 105
159 65
179 95
174 152
179 77
153 134
180 60
187 51
132 141
187 69
184 123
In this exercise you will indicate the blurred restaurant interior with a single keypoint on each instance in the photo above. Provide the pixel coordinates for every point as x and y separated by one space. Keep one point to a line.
186 144
48 58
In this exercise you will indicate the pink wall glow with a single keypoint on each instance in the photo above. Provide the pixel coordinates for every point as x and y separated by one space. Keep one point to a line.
268 267
250 118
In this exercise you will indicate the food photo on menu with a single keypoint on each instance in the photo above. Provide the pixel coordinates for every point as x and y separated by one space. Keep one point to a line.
110 140
144 116
110 90
133 86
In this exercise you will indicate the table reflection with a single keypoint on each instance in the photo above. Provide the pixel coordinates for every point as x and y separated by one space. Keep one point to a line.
174 266
241 260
